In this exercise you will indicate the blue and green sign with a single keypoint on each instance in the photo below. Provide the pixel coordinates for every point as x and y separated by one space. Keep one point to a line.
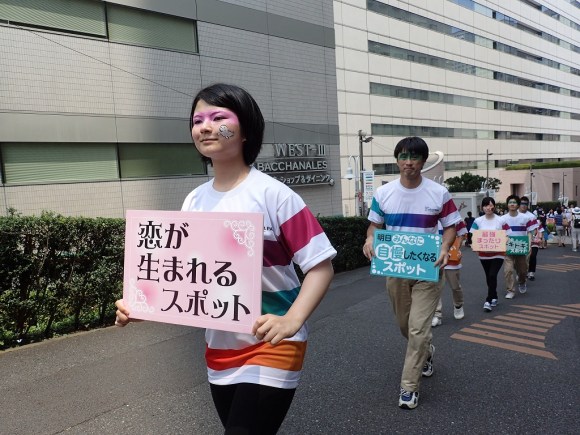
406 255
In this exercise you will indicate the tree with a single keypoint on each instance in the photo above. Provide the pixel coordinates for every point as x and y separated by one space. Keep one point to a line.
469 182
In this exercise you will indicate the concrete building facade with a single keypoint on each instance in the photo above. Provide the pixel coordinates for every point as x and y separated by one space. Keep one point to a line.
95 98
488 83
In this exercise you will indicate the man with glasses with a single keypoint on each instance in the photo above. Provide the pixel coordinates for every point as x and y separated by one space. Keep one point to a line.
413 203
516 224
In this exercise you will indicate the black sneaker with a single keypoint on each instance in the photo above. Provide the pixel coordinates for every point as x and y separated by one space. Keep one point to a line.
428 367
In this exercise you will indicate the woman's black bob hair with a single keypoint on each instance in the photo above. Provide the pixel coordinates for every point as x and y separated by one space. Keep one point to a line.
240 102
487 200
412 145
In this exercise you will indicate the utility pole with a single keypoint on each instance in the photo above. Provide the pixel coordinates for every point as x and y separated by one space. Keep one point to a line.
487 154
362 137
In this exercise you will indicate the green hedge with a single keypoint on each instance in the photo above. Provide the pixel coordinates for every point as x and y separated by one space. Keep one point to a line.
63 274
58 275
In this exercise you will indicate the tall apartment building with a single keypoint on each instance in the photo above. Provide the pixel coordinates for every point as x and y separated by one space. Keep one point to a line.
95 98
486 82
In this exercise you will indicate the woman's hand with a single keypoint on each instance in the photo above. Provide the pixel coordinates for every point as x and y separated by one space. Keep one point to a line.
273 329
122 314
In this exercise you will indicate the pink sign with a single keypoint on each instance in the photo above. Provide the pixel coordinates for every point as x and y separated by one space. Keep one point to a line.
489 240
199 269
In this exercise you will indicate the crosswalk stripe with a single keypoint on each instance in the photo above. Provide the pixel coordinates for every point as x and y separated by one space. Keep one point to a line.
557 310
531 310
507 346
525 322
505 337
535 317
521 331
564 310
514 325
509 331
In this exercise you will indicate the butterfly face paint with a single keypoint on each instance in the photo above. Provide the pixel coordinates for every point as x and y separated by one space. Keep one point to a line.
225 131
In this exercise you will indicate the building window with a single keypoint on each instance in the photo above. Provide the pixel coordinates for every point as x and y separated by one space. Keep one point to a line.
460 67
386 169
116 23
29 163
436 26
85 17
140 160
149 29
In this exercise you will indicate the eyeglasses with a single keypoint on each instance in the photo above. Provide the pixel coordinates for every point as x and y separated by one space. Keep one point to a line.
513 202
412 156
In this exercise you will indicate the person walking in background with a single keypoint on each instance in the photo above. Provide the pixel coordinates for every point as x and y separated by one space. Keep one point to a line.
452 276
567 220
413 203
525 210
253 377
490 261
559 221
541 216
468 222
575 228
536 243
516 224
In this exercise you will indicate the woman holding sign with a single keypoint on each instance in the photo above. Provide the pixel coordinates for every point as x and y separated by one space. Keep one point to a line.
253 377
491 261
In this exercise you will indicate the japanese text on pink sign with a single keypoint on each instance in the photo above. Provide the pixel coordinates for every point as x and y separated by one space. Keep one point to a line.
194 268
489 240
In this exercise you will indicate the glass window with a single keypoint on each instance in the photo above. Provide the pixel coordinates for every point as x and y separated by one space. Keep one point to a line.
77 16
26 163
158 160
148 29
385 169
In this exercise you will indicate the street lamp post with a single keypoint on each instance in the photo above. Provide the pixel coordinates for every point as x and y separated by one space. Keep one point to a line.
350 174
362 137
563 175
487 154
531 186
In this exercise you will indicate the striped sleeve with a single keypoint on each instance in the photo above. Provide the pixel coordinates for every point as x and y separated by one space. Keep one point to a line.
376 215
461 228
302 235
449 214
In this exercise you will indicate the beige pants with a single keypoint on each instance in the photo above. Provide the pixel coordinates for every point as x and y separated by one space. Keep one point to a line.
414 304
575 237
452 277
517 264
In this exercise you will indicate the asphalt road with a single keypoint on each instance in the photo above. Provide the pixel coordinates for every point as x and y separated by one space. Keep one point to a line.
512 371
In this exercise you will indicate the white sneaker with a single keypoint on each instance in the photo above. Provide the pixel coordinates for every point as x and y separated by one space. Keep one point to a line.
408 399
494 302
510 295
458 313
436 321
487 306
523 288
